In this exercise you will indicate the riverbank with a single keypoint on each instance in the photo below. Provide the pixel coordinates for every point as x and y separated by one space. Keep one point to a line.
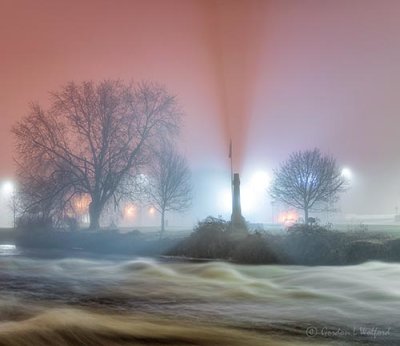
100 242
212 240
7 235
300 245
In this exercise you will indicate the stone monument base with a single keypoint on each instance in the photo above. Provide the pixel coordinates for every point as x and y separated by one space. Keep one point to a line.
238 228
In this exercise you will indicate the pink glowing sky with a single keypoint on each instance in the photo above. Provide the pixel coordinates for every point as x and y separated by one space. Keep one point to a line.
275 76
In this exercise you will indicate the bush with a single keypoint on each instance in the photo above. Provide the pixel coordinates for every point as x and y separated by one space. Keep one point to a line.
254 249
210 239
313 228
392 248
363 250
313 244
212 224
70 224
301 245
34 223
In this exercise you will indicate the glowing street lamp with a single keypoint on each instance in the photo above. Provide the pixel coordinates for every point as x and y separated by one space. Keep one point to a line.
260 180
8 188
129 211
347 173
254 192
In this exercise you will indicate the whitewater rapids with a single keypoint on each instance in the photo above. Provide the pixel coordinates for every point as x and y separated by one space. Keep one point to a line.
149 302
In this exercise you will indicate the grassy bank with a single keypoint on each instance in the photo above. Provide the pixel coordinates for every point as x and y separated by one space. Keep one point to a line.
212 239
100 242
7 235
300 245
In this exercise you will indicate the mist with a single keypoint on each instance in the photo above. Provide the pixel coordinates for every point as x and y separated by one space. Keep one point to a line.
199 172
272 76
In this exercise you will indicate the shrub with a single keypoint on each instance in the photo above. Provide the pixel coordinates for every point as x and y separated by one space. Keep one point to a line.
212 224
210 239
70 224
392 248
254 249
34 223
362 250
314 244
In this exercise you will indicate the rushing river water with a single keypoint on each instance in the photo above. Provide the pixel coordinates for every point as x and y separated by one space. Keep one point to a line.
147 302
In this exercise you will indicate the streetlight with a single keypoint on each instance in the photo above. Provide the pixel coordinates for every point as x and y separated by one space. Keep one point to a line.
347 173
8 190
260 180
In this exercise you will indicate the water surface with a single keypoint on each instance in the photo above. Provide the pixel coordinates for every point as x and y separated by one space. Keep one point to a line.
72 301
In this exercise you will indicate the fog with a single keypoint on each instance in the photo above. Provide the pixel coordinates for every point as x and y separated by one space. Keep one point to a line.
255 80
274 76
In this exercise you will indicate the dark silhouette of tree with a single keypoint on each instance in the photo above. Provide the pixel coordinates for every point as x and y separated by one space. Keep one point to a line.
13 204
307 180
169 185
92 140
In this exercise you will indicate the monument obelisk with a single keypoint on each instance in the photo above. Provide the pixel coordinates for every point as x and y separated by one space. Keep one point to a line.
236 217
238 223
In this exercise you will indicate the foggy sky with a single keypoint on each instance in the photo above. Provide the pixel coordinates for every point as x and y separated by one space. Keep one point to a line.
275 76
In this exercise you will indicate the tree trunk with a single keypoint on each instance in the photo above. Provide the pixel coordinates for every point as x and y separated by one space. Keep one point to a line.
162 223
94 215
306 216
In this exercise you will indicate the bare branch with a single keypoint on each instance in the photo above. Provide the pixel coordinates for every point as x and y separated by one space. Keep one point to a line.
307 180
92 138
169 185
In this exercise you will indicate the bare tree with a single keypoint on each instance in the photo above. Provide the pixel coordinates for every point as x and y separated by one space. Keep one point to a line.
169 185
307 180
92 139
13 204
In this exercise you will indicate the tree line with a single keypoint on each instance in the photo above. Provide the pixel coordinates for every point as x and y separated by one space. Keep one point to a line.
97 140
114 142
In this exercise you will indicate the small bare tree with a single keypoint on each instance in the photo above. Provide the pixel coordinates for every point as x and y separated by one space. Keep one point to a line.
14 205
93 138
307 180
169 185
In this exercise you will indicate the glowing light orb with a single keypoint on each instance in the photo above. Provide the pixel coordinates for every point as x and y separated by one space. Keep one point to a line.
152 210
260 180
248 200
8 188
288 218
347 173
252 194
130 211
81 204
